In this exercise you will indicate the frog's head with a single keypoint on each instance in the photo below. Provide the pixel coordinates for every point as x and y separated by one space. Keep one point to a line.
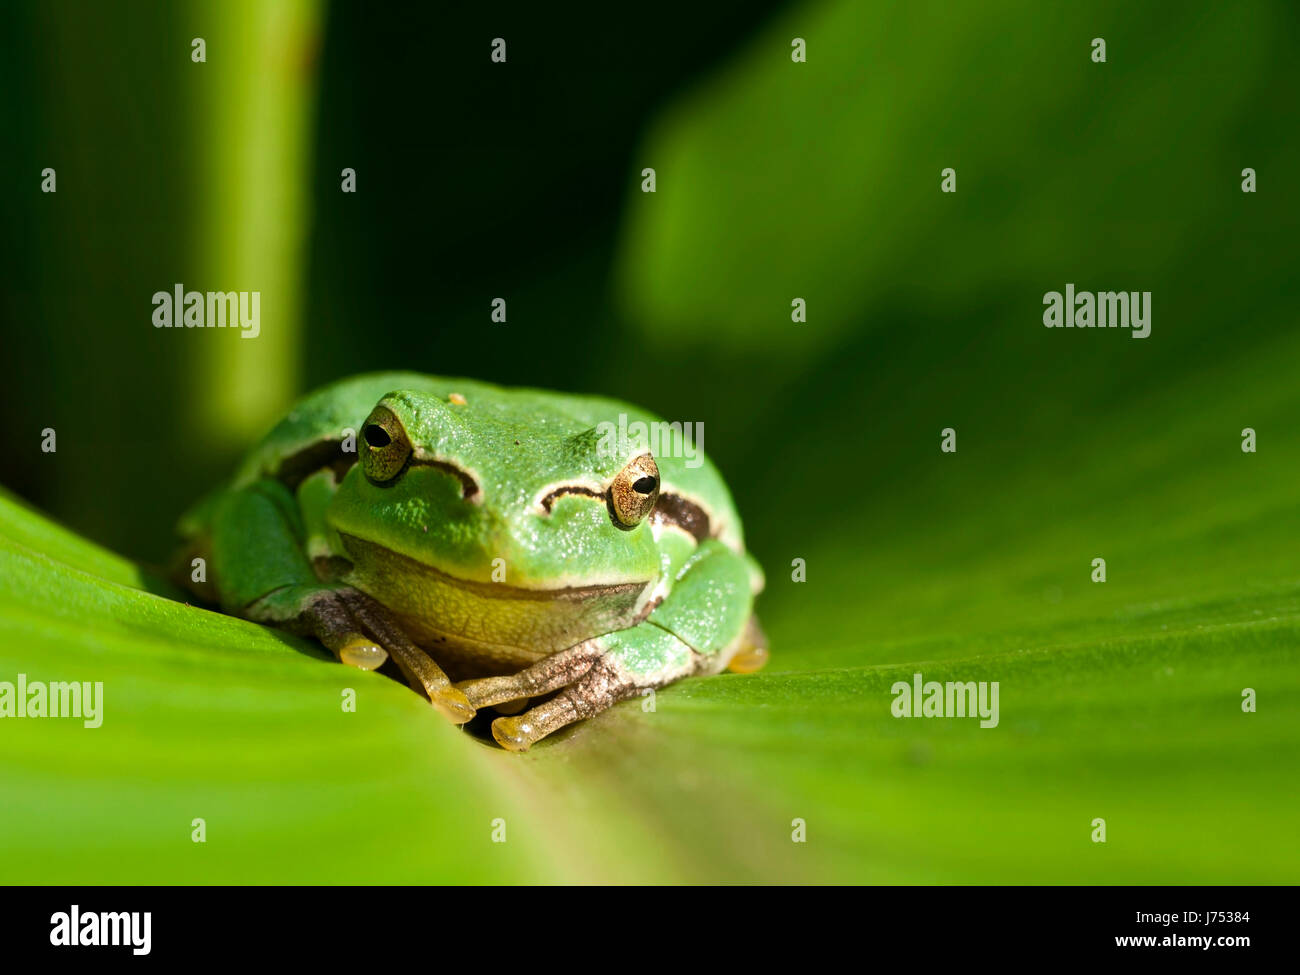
491 526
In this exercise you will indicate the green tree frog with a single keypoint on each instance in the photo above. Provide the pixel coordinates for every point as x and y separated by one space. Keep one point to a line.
497 544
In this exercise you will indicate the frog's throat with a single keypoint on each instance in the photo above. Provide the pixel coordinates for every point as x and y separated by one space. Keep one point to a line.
367 555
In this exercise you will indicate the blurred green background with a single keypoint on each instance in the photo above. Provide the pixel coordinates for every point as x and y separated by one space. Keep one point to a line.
775 180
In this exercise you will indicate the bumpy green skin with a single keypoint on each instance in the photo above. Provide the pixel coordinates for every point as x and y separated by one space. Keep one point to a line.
493 582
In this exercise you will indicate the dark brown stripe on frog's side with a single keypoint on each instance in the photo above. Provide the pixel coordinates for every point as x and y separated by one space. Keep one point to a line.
673 509
320 456
559 492
468 486
329 455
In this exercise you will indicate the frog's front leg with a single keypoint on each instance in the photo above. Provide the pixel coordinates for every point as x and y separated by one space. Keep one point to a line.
263 573
703 626
549 674
627 663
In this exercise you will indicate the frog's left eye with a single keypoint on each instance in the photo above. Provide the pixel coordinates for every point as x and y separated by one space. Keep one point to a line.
387 447
634 491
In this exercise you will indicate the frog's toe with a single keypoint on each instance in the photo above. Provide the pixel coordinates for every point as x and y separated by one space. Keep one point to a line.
452 704
748 660
752 654
363 654
513 734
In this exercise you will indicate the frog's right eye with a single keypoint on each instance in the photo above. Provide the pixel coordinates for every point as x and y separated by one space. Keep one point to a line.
387 447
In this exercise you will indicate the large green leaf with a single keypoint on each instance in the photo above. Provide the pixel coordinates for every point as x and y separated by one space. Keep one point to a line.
210 717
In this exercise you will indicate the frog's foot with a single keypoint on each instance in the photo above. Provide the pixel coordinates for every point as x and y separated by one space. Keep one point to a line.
600 687
341 621
417 666
327 618
752 654
549 674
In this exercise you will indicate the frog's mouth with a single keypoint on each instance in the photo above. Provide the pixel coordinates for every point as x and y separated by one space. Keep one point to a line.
490 625
371 558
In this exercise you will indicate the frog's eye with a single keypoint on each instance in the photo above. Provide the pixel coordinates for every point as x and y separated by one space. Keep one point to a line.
387 447
634 491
